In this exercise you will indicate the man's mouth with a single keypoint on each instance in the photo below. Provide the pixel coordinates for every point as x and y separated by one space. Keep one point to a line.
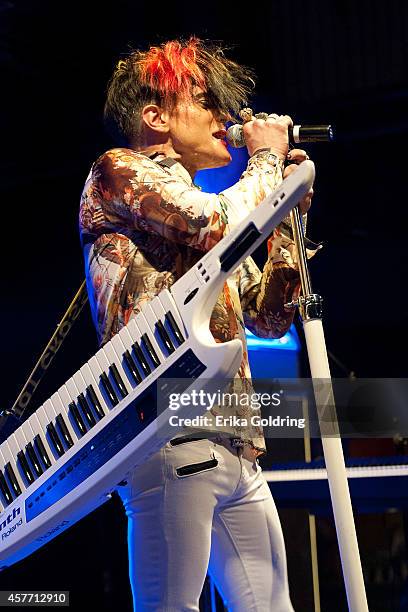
220 135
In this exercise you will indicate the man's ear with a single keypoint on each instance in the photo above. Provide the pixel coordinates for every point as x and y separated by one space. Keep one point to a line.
155 118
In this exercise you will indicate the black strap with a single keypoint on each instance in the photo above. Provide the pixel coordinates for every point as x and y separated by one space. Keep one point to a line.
167 162
74 309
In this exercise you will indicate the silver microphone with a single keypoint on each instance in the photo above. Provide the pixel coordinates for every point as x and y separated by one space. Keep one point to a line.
297 134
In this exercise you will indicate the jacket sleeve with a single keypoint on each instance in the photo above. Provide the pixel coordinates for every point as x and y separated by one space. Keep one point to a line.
264 294
136 193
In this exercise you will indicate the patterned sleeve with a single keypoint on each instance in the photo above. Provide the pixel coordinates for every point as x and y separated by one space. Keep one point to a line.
263 295
138 194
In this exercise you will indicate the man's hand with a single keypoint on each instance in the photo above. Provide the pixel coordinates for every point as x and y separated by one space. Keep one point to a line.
272 134
297 156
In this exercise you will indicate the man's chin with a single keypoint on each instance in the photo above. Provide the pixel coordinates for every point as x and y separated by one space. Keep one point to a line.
218 161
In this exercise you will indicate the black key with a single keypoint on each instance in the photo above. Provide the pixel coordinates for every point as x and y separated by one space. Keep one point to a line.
174 327
149 348
12 478
86 410
55 439
132 367
5 490
38 443
118 380
34 459
141 358
77 418
95 402
64 430
21 458
165 337
109 389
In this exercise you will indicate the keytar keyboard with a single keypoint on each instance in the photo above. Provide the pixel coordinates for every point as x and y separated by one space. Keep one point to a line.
111 415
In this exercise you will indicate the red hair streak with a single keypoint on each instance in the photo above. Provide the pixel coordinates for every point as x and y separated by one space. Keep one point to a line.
173 69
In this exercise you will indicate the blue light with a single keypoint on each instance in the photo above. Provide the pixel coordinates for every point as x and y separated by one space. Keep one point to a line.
217 179
289 342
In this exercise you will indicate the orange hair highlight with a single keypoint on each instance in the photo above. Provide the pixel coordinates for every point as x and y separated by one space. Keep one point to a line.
172 69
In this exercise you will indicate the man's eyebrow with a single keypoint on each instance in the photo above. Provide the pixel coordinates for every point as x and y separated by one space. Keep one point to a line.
201 96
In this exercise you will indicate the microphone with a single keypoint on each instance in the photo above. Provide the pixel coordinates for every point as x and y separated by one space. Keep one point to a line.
297 133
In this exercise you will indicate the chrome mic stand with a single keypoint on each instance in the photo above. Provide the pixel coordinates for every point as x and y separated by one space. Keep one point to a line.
310 308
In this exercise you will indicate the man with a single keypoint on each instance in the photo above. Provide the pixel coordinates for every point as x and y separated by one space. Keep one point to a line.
143 225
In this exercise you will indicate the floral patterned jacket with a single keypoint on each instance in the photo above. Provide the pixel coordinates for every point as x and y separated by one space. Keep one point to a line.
143 225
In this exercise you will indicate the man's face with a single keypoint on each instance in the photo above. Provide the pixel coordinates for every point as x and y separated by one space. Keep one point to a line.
198 134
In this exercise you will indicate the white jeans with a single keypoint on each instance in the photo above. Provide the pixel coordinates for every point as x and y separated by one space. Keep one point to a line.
201 506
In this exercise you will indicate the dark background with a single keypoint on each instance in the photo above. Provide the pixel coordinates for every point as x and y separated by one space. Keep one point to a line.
340 62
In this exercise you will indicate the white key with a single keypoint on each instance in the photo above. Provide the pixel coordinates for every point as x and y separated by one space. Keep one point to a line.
15 448
72 389
60 408
147 321
28 435
26 430
44 417
37 429
19 443
66 400
104 364
158 310
3 462
89 380
51 412
168 303
152 318
120 349
96 372
135 337
160 315
75 393
115 356
43 420
8 458
82 386
136 333
126 338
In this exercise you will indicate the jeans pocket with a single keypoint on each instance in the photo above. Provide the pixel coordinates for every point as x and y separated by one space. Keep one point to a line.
196 468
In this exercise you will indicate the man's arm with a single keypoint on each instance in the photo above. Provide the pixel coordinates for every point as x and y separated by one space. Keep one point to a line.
263 295
138 194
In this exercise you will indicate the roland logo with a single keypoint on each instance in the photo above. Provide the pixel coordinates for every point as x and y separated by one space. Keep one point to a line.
52 531
4 524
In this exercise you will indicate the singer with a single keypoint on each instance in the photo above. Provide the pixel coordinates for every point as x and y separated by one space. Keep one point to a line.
143 224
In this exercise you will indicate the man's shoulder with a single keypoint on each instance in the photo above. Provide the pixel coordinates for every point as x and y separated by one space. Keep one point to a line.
120 161
122 156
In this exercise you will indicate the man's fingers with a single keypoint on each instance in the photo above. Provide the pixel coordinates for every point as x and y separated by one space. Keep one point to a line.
297 155
289 169
285 120
306 202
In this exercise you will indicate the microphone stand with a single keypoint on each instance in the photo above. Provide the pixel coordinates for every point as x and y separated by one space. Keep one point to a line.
310 308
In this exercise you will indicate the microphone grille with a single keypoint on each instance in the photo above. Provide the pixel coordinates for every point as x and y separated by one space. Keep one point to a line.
235 136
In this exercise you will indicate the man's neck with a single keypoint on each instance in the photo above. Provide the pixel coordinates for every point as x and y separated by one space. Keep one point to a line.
162 149
165 149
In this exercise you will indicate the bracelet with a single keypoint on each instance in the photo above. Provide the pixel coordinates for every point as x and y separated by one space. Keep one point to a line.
266 153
